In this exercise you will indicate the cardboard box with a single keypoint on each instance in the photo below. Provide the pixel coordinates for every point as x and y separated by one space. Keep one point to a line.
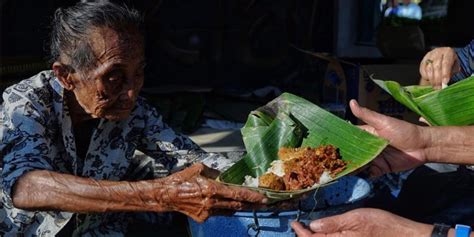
373 97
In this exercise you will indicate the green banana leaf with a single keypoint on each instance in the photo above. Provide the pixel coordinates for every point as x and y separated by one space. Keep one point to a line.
291 121
453 105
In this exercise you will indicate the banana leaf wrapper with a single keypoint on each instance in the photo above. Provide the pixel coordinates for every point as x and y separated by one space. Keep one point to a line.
453 105
291 121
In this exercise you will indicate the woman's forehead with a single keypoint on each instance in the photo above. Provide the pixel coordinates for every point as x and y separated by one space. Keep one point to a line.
106 42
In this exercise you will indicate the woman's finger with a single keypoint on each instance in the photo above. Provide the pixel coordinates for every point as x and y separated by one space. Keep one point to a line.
446 69
423 71
225 204
430 73
240 194
437 73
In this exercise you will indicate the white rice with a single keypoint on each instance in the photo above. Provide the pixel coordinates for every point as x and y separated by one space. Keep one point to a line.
277 168
325 178
250 181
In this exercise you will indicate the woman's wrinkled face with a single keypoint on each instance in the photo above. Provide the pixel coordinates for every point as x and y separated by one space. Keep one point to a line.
110 89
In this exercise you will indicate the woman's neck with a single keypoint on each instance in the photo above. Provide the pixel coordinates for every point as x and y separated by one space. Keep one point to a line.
78 114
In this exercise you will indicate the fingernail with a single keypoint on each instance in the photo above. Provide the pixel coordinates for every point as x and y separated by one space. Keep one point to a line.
315 226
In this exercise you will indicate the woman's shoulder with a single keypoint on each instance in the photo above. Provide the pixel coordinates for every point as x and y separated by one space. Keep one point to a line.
36 90
38 83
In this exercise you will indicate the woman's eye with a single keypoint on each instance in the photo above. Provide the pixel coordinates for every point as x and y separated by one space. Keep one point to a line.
116 77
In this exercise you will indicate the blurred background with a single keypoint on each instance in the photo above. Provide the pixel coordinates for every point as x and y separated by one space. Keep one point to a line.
211 62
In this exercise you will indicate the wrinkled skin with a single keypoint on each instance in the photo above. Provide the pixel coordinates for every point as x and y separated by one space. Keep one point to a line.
191 191
438 66
364 222
109 89
407 143
412 145
194 193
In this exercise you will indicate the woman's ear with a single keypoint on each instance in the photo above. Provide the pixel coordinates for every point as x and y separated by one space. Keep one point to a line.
63 73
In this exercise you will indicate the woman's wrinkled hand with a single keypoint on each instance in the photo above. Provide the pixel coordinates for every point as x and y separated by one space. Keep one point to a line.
363 222
195 193
438 66
407 142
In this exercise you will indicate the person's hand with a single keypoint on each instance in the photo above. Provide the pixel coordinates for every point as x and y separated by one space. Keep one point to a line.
407 143
364 222
438 66
195 193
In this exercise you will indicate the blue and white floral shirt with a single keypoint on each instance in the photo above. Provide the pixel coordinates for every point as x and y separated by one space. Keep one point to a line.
37 135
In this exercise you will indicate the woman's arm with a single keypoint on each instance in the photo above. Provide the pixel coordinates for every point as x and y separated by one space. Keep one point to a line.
47 190
189 191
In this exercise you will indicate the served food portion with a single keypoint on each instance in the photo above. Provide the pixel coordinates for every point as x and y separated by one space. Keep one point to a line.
300 168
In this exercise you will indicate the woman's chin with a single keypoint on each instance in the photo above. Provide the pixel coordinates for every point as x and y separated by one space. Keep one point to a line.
116 115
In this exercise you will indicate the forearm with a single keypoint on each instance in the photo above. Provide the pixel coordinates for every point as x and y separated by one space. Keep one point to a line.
46 190
453 145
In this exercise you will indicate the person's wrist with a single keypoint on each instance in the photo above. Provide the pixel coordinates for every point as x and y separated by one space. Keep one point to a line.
424 230
425 134
153 195
432 147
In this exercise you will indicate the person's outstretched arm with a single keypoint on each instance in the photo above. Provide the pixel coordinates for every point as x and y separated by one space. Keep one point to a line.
412 145
191 191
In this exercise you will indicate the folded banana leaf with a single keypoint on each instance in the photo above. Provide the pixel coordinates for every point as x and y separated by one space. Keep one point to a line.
291 121
453 105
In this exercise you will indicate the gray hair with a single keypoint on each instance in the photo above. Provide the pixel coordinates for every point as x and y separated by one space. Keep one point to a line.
71 28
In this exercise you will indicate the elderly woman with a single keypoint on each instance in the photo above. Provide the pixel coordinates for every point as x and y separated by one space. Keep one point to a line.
69 136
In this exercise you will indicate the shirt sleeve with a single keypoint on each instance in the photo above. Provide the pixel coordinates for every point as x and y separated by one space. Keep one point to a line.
24 143
171 149
466 61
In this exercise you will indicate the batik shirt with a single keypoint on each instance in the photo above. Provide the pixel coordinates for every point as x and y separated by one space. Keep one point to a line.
466 61
37 135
